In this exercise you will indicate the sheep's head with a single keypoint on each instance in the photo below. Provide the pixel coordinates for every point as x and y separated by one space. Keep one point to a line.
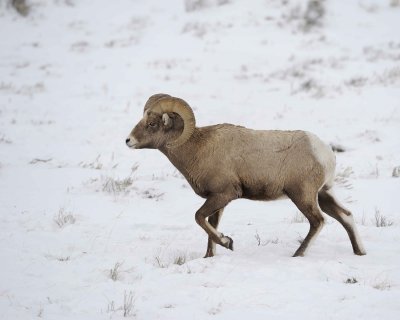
167 121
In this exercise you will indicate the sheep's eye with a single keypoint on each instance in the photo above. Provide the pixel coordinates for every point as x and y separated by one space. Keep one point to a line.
152 124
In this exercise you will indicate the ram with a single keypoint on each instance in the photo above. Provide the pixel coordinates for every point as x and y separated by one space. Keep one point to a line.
225 162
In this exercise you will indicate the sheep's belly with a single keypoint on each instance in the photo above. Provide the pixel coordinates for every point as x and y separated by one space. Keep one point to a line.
262 192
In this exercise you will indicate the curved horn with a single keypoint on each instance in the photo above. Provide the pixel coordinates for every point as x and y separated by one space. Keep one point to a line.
179 106
153 99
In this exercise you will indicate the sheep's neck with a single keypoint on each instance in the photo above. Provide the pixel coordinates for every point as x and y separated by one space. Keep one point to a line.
185 157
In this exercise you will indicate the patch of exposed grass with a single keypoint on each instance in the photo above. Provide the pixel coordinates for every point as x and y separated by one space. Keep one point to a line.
298 218
343 177
260 242
127 308
159 263
381 220
63 218
115 271
128 304
115 186
351 280
180 259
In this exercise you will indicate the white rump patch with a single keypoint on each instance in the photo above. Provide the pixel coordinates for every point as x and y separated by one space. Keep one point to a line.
324 155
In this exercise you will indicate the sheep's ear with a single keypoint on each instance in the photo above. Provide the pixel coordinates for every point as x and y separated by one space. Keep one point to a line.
167 120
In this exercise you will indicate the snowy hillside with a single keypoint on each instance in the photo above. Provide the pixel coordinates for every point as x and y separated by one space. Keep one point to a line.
92 230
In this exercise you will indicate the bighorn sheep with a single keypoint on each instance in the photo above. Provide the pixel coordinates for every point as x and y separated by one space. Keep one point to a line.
225 162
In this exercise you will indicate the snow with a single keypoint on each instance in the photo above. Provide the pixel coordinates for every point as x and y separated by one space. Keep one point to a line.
74 79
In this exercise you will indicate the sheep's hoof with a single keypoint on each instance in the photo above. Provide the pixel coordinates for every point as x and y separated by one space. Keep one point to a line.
209 254
229 243
360 253
298 254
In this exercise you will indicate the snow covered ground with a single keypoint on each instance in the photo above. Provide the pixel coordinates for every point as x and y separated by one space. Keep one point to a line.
92 230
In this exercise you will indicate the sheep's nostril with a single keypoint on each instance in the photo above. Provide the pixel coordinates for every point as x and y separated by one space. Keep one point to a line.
127 140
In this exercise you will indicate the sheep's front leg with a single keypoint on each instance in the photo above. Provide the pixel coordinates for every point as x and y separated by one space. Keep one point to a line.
212 205
214 221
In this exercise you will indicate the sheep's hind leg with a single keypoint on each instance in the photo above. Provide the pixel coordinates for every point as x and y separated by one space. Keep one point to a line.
309 207
329 205
212 205
214 221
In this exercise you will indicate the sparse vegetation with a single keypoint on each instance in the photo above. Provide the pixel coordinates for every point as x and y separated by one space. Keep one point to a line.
95 164
60 258
151 194
128 304
162 261
266 242
381 220
64 259
115 186
195 5
363 219
111 307
313 15
26 90
40 312
159 263
115 271
127 308
215 310
63 218
38 160
337 147
382 284
180 259
357 81
307 18
395 3
5 140
351 280
343 177
375 172
21 7
298 218
396 172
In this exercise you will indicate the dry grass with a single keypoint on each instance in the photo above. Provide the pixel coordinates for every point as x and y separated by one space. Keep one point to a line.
306 18
396 172
298 218
159 263
381 220
127 308
63 218
115 186
382 285
180 259
115 271
128 304
313 15
266 242
343 177
351 280
196 5
151 194
95 164
4 139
